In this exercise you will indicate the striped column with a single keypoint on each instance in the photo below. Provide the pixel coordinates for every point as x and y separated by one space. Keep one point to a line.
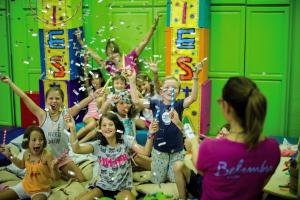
187 39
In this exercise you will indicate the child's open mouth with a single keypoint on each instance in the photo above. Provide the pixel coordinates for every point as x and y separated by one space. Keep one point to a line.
36 149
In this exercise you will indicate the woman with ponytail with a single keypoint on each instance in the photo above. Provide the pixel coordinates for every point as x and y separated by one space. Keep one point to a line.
238 165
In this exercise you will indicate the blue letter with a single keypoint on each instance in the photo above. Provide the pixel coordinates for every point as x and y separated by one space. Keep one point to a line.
56 43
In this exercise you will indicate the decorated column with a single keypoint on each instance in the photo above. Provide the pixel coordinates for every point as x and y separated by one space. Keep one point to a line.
60 59
187 44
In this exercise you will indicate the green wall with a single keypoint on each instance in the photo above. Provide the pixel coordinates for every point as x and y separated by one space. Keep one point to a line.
238 21
294 81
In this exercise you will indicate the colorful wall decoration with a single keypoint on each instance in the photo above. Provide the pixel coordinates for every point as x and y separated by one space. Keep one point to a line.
187 43
60 52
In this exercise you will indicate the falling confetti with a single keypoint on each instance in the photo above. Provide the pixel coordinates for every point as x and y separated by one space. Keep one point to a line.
119 131
26 62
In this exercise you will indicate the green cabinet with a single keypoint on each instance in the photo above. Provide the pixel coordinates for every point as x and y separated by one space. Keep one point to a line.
251 41
275 92
227 44
25 50
268 1
267 33
6 105
126 22
228 1
249 2
216 116
159 40
2 4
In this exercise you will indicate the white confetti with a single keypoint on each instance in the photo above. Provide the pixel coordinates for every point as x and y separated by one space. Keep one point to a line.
71 173
91 73
75 92
82 89
34 34
77 64
142 118
26 62
119 131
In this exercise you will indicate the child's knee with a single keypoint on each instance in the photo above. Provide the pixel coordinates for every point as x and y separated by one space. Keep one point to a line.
178 166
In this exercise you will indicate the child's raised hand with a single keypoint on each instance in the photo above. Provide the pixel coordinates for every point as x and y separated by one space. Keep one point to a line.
5 150
156 21
153 65
78 33
199 66
98 93
153 127
4 79
115 98
129 74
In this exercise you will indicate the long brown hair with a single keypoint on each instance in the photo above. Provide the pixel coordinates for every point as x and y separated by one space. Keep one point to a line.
249 104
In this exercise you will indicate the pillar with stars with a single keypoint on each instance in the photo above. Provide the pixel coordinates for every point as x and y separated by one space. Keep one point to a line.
60 51
187 39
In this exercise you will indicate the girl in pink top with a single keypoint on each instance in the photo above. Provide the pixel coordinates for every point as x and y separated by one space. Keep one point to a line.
93 80
114 63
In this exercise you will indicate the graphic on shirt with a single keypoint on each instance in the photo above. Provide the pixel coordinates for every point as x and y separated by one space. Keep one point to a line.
54 134
236 171
166 118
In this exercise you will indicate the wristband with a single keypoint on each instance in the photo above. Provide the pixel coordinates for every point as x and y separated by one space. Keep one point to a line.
151 136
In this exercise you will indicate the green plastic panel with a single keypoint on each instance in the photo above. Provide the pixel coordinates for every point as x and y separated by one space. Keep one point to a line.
25 50
294 97
227 41
275 92
2 4
6 109
129 3
216 116
133 22
267 38
228 1
268 1
159 40
160 3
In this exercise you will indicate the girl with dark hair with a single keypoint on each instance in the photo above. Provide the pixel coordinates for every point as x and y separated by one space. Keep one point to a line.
243 156
52 123
113 152
114 63
41 167
94 81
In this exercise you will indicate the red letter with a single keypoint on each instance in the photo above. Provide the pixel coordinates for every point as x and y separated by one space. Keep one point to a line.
181 63
55 62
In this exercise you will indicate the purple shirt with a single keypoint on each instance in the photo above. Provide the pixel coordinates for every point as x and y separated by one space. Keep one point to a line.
233 172
130 61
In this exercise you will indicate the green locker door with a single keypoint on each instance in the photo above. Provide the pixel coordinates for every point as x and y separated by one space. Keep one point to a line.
26 68
6 107
159 39
266 61
267 34
268 1
228 1
274 91
216 116
227 41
